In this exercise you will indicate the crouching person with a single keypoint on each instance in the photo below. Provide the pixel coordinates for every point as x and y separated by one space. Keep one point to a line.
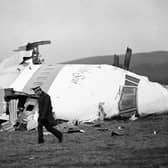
45 115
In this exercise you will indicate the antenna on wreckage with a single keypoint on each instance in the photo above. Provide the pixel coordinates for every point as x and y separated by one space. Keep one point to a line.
127 60
34 46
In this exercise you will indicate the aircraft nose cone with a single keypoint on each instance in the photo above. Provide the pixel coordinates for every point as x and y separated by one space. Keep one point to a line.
151 98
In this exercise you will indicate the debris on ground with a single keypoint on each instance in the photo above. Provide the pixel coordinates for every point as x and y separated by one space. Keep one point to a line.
73 130
119 131
69 127
102 129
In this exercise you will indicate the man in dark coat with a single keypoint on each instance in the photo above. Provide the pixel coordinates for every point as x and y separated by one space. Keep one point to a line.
45 115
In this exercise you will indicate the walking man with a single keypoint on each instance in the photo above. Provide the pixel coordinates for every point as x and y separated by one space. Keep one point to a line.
45 115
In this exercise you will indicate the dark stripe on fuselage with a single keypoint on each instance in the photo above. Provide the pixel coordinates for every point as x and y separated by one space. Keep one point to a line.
43 77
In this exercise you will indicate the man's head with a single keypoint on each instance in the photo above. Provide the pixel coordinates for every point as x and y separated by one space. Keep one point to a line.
37 90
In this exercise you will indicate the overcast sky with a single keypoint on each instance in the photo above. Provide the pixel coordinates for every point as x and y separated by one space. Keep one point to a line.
84 28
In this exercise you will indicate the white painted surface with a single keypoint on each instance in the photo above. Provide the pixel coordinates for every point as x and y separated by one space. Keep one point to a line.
24 77
78 89
152 98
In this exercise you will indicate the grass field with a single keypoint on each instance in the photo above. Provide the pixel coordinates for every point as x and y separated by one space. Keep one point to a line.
144 144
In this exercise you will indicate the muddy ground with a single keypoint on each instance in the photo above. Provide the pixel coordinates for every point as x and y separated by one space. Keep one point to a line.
142 143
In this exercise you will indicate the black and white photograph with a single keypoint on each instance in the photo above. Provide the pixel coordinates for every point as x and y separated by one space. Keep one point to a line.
83 84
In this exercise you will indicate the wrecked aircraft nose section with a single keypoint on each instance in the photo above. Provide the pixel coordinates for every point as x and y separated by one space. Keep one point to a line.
78 91
89 92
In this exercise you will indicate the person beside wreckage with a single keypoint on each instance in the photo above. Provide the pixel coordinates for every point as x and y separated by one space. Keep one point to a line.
45 115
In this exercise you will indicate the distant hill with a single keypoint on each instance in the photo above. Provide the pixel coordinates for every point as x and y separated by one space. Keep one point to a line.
154 65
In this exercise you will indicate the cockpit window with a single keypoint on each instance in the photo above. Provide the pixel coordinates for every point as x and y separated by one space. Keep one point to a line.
127 103
131 81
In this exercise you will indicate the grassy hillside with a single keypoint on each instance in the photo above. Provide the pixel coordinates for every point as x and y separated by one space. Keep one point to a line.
151 64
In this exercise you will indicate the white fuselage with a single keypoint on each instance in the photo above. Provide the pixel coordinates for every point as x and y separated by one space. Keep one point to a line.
77 90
